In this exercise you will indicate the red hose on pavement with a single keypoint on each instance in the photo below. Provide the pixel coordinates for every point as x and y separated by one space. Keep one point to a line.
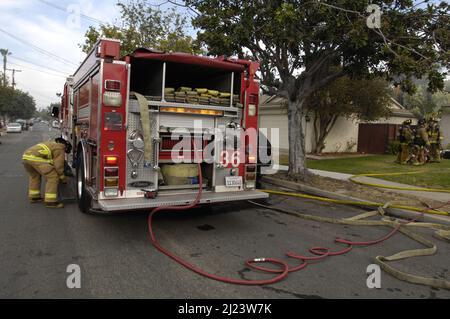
284 269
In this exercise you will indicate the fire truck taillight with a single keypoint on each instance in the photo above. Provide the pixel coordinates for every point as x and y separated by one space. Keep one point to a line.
251 159
111 172
111 160
112 85
252 102
111 181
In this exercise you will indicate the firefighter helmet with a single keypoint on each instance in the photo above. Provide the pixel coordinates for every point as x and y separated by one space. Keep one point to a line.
422 121
65 142
407 122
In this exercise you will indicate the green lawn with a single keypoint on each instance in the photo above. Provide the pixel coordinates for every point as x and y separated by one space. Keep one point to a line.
436 175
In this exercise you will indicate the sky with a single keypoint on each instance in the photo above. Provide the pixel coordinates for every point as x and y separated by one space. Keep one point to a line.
46 37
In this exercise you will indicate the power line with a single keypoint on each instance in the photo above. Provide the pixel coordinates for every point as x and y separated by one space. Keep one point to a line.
40 71
38 49
39 65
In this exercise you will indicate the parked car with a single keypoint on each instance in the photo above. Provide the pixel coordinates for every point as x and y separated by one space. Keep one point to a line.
14 128
55 124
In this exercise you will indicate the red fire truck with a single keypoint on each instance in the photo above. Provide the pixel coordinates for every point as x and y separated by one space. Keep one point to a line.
124 115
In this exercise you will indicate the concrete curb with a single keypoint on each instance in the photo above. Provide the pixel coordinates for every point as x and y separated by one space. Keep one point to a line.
318 192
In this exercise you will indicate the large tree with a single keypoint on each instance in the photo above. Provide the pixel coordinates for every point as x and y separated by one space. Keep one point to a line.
424 103
16 104
142 25
364 100
299 43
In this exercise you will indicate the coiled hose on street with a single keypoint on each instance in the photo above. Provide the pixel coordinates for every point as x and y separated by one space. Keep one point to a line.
317 253
283 265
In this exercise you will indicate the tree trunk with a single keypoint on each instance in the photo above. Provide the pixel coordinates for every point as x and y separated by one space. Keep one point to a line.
297 149
326 125
320 145
316 148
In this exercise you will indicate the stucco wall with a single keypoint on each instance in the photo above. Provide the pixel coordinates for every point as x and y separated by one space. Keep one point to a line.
342 138
272 121
345 132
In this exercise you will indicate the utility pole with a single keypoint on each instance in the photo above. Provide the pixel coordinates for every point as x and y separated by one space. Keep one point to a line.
14 76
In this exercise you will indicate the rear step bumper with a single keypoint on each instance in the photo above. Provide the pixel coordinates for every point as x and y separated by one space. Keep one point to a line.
115 205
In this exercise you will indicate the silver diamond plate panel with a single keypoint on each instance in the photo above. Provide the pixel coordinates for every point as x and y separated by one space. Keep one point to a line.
144 174
169 200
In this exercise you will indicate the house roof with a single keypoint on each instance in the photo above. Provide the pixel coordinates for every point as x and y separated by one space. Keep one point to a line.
272 101
275 102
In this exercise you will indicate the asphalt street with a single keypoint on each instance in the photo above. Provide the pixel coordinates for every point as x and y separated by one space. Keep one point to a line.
117 259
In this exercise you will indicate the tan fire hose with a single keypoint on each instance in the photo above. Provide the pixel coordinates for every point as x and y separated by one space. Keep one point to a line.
442 232
145 122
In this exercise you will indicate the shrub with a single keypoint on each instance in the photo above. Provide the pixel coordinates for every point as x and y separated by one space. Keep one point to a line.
393 147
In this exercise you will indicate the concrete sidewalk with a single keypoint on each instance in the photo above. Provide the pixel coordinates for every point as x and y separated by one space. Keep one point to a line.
440 197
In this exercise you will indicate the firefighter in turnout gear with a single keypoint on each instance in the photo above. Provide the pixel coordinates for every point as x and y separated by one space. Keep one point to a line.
406 138
435 138
46 159
421 143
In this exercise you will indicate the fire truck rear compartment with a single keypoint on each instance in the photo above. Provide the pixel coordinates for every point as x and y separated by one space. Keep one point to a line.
147 79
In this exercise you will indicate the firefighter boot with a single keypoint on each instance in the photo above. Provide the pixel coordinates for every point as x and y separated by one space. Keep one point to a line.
54 205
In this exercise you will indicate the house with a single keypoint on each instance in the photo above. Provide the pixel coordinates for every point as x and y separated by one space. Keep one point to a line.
347 135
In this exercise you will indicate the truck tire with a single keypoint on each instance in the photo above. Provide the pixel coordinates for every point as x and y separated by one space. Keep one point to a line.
84 199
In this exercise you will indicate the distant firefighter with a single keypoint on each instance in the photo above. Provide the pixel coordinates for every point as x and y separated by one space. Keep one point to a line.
435 138
406 136
421 144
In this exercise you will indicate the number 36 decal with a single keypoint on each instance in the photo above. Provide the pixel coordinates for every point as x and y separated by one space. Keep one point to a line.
233 158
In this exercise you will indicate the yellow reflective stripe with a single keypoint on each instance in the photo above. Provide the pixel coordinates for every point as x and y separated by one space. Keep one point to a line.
33 158
46 151
50 196
34 192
